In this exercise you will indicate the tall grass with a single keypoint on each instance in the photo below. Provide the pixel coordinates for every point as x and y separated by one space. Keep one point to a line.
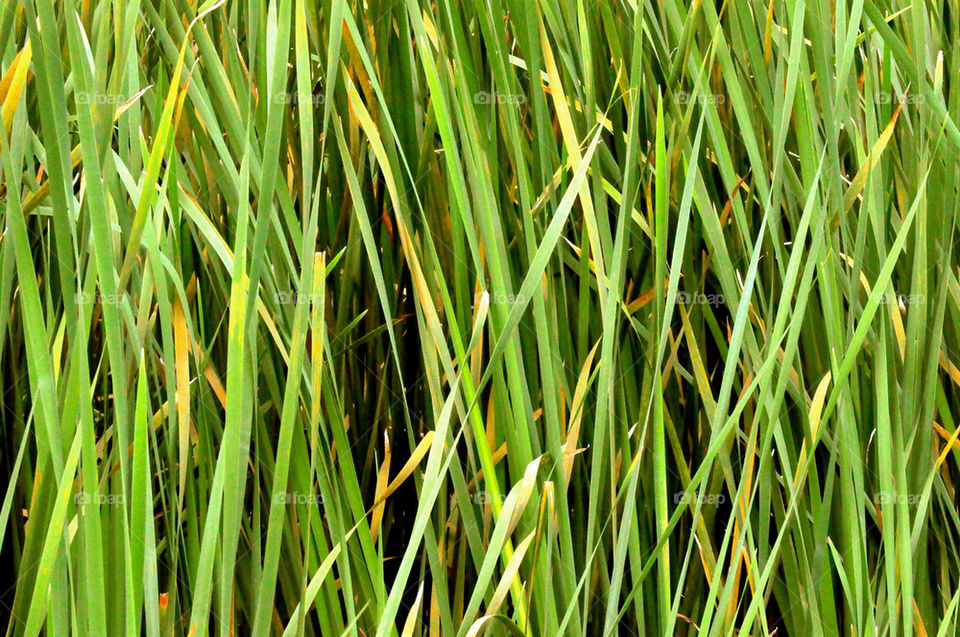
480 317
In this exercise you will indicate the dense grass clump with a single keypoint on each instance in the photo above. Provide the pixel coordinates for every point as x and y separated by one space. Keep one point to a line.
480 317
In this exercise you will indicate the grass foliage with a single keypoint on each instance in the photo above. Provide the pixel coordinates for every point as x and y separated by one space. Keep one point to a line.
480 317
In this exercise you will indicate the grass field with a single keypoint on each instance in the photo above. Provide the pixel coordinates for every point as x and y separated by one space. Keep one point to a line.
480 317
